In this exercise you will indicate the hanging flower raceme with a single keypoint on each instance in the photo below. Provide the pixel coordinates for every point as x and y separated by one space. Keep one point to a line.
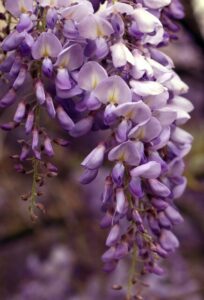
95 67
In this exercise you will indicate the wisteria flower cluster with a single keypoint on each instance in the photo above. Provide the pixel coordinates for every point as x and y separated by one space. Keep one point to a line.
97 67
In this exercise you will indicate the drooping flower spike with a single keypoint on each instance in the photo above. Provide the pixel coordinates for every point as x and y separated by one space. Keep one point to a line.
93 66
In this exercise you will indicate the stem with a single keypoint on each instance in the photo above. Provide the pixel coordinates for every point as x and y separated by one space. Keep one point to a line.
44 19
34 186
35 163
132 272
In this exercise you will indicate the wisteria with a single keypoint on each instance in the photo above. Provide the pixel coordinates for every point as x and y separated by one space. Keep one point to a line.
92 66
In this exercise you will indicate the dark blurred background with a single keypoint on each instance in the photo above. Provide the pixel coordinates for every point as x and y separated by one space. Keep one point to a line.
58 256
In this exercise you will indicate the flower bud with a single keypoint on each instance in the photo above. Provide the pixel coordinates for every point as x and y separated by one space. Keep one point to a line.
88 176
20 78
20 112
48 147
8 99
50 106
95 159
168 240
113 235
40 92
118 173
29 122
64 119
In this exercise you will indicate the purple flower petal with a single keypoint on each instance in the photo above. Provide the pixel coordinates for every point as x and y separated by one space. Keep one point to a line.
162 139
166 116
157 101
118 173
90 75
120 201
20 112
121 55
159 204
29 122
51 18
156 4
135 187
82 127
94 26
168 240
173 215
181 136
159 188
146 88
113 90
95 159
8 99
164 222
146 132
138 112
108 256
20 78
48 147
128 152
24 23
40 92
122 130
46 45
78 11
70 58
12 41
50 106
88 176
17 7
47 67
149 170
147 23
121 250
113 236
62 80
179 188
64 119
